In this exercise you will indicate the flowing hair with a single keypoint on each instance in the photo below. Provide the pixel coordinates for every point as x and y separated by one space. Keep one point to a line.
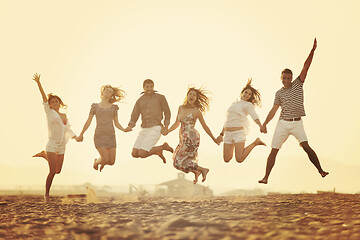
202 101
118 94
52 96
255 96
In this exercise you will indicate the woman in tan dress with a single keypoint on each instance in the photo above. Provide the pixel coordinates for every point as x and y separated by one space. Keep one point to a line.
106 117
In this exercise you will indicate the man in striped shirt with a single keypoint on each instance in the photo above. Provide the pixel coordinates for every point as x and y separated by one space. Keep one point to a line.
291 99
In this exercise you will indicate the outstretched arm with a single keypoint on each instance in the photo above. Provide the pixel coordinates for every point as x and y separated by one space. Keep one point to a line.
269 117
220 138
308 62
36 78
167 113
206 128
118 125
86 126
176 123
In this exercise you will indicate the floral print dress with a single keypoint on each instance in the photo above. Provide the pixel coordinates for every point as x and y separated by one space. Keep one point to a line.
185 154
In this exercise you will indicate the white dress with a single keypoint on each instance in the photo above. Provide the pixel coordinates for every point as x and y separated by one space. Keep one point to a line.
59 133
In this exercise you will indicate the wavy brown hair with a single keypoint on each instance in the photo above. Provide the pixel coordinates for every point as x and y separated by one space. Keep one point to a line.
255 96
202 100
52 96
118 94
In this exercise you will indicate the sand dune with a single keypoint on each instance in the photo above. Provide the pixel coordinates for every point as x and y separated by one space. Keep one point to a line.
296 216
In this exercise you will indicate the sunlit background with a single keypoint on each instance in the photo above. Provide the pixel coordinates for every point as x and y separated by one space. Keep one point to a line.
78 46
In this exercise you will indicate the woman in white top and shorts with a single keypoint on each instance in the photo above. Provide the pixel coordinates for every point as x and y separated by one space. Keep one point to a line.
236 126
59 134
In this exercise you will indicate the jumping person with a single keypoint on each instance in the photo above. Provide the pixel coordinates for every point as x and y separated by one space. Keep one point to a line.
237 124
106 113
152 107
186 153
59 134
291 99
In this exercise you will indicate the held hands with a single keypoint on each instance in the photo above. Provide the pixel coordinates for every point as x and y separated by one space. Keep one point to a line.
263 129
80 138
36 77
164 131
127 129
219 139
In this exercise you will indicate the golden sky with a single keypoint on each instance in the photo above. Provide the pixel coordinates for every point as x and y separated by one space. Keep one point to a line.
78 46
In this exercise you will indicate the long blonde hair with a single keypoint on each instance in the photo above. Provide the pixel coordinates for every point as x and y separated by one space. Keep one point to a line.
118 94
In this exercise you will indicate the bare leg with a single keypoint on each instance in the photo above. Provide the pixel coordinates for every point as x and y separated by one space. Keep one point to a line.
104 157
204 172
228 151
313 158
52 159
41 154
239 148
269 165
158 150
96 164
197 174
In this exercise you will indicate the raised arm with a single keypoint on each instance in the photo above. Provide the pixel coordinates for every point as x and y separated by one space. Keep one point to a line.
36 78
308 62
269 117
206 128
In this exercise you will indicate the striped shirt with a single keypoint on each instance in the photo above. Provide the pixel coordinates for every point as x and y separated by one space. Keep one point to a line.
291 100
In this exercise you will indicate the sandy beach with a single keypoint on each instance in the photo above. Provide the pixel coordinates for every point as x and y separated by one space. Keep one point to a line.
277 216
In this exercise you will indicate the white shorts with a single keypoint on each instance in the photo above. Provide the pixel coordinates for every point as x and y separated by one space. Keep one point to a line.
284 129
147 138
56 146
232 137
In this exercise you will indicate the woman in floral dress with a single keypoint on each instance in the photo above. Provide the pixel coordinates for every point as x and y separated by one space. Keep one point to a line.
186 153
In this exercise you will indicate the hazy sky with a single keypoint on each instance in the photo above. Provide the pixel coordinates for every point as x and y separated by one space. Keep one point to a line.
78 46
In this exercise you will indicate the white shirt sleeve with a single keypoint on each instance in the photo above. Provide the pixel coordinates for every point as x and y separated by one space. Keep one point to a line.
46 107
68 132
250 108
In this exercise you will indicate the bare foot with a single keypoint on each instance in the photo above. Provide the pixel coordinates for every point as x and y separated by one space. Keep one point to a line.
101 167
167 147
324 174
41 154
96 164
46 199
259 142
264 181
204 173
197 174
160 154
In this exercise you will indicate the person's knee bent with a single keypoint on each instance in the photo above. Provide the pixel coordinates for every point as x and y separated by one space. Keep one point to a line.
135 153
239 159
142 153
227 159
